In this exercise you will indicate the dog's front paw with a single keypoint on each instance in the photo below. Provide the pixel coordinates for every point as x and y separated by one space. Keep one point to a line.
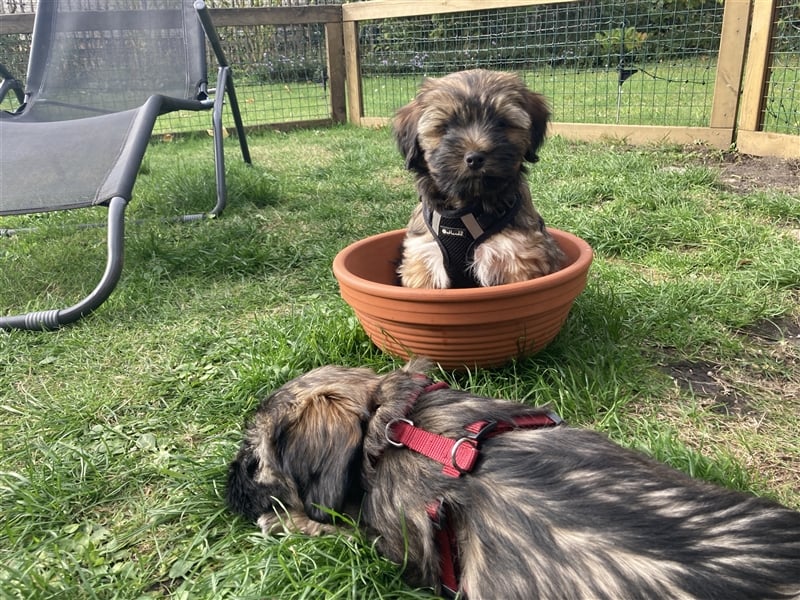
516 255
293 522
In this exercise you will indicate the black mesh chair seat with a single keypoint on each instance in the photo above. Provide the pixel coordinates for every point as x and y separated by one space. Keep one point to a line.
51 167
96 83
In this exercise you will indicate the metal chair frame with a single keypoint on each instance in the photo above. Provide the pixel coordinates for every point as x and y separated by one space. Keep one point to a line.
155 105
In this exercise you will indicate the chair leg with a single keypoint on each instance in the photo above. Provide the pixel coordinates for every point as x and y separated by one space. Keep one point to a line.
237 119
225 85
224 79
219 152
54 319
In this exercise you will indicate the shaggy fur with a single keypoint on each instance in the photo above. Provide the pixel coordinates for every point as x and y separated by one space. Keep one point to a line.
547 513
467 137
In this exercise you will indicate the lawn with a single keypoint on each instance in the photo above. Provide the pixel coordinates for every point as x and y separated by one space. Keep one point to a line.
678 93
115 432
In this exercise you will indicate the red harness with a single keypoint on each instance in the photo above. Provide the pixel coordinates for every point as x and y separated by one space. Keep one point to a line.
457 458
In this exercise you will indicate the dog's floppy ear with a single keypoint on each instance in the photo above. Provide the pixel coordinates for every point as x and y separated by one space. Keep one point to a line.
321 449
404 128
536 107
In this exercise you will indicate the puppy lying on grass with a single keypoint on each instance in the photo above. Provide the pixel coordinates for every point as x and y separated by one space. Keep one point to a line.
494 499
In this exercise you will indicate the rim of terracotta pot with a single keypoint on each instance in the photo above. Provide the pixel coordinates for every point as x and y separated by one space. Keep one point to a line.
349 262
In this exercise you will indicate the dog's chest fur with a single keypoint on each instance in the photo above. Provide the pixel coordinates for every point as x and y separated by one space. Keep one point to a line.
459 233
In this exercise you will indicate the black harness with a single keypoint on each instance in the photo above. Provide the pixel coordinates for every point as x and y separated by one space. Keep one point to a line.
460 232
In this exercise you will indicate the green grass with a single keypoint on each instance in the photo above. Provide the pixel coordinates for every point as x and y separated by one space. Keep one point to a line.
115 432
678 94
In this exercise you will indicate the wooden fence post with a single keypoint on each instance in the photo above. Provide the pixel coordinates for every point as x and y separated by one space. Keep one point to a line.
334 46
757 71
355 97
730 64
750 139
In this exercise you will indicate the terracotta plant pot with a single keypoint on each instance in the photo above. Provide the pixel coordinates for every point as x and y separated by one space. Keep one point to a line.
475 327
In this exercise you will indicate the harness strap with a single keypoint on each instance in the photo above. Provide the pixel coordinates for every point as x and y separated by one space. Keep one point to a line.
445 537
488 429
457 457
459 232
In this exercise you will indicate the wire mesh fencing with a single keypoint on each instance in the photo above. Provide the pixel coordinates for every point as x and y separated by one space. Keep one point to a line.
782 101
280 71
607 61
612 62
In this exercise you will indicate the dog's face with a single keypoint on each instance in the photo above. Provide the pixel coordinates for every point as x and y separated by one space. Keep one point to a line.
471 131
302 450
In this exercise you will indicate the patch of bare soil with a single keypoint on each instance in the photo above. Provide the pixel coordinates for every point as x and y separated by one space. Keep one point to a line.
752 405
707 381
744 173
784 329
724 388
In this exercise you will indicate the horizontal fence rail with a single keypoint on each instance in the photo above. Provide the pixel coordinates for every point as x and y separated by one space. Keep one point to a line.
702 71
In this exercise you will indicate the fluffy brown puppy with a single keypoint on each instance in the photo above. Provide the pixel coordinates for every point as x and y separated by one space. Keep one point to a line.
545 512
467 137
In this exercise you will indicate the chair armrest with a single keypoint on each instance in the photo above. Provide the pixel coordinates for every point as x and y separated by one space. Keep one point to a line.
210 31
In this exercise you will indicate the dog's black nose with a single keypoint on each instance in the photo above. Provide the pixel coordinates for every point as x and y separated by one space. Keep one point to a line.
475 160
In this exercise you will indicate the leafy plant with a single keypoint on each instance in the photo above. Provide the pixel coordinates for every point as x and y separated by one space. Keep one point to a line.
621 40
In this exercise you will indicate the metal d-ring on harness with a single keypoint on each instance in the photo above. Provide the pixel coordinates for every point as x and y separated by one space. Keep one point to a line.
459 232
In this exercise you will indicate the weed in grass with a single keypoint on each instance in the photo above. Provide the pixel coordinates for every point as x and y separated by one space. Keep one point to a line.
115 432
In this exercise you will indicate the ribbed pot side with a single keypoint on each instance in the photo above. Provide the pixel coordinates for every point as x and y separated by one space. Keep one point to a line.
474 327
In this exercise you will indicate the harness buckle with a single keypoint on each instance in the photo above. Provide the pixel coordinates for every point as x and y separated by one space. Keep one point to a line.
388 430
471 458
556 419
485 428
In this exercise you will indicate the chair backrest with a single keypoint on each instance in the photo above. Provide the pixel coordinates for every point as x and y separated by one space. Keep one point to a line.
86 59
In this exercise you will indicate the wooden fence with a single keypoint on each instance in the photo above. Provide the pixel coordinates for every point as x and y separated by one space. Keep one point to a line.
751 138
740 87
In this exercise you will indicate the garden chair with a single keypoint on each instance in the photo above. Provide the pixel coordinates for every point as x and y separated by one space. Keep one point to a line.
97 81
